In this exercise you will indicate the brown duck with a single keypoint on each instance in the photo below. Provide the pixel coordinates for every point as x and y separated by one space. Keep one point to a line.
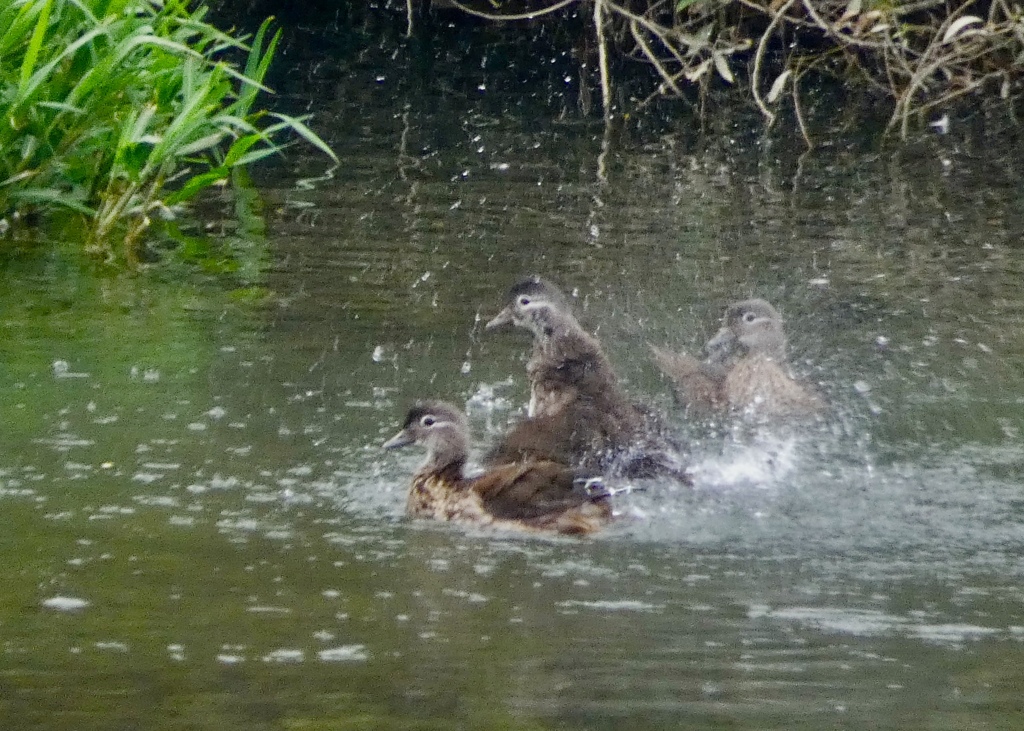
745 370
578 413
566 360
533 495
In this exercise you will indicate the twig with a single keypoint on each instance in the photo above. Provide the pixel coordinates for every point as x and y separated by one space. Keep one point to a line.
956 93
649 53
900 10
602 57
830 29
658 92
798 112
760 9
657 30
759 55
520 16
925 69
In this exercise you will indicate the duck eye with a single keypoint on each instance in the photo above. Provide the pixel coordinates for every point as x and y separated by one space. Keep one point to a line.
524 301
749 317
427 421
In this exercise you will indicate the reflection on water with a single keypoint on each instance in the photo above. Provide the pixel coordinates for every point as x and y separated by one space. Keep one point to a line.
202 532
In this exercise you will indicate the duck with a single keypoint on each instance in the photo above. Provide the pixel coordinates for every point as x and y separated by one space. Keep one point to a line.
566 360
745 370
532 495
578 413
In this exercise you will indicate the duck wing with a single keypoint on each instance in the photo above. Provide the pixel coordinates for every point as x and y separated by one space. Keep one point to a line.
548 437
696 384
534 489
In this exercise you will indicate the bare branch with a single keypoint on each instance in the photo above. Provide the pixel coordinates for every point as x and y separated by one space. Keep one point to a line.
520 16
798 111
649 53
844 38
755 81
921 53
602 56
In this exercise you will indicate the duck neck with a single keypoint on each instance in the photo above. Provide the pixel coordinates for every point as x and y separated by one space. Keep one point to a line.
776 352
549 324
450 473
565 337
448 457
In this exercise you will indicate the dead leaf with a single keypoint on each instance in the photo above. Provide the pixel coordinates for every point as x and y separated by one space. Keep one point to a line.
955 29
852 10
722 67
777 86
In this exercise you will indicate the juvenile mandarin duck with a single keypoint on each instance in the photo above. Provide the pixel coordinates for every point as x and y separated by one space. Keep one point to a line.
534 495
745 370
578 413
566 360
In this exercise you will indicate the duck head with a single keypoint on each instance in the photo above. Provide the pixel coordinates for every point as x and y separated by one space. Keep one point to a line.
440 428
752 327
536 305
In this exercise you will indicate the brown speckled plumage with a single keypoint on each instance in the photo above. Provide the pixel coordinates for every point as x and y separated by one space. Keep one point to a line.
745 371
578 412
533 495
566 360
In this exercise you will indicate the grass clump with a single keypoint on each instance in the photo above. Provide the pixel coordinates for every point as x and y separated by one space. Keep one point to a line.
121 110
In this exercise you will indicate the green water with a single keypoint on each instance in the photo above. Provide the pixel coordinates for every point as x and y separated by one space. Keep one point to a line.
200 531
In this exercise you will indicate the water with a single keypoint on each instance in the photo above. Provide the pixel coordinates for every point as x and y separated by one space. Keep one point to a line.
201 531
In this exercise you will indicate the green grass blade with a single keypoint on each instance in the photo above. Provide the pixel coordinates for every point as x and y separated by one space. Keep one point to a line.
43 73
208 142
241 147
54 197
28 64
196 184
259 154
256 67
307 134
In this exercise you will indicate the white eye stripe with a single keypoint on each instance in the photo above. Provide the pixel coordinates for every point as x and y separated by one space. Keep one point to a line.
525 304
433 421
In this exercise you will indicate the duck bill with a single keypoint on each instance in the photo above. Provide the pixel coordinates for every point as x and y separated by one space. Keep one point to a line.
721 344
501 319
401 439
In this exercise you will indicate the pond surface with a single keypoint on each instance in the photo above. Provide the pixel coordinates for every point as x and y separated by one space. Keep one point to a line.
201 531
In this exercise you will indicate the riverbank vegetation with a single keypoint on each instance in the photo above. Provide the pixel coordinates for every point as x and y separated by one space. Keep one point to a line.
120 113
916 57
124 111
